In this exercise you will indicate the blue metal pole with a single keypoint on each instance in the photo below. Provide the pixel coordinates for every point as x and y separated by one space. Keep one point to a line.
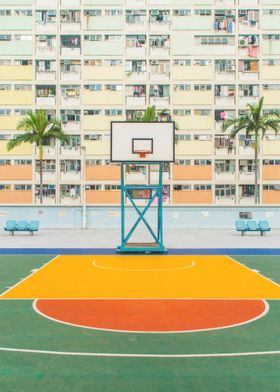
122 203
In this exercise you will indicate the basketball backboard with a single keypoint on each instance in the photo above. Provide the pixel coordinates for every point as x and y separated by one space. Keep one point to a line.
142 141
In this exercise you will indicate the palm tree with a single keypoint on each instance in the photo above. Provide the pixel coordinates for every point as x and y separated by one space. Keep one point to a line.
254 123
38 129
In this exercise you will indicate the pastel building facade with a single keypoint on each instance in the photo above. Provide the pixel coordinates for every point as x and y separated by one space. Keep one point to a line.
91 62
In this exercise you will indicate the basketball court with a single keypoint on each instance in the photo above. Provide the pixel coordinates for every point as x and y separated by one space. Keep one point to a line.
140 317
146 322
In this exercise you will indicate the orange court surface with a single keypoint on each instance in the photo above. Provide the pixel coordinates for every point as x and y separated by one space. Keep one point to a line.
143 277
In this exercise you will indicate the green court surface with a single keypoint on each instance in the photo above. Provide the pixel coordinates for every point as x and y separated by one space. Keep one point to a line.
59 357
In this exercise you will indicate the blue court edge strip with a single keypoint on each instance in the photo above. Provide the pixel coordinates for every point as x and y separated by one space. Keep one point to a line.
106 251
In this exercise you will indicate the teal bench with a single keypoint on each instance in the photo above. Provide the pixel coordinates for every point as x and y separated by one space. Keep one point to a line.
252 226
12 226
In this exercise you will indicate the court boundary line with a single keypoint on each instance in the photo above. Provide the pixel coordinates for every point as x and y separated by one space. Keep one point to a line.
266 310
132 355
249 269
28 276
193 264
171 251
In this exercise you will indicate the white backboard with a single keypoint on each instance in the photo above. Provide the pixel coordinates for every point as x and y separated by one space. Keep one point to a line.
127 138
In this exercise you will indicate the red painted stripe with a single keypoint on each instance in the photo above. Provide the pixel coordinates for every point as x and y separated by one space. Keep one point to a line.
152 315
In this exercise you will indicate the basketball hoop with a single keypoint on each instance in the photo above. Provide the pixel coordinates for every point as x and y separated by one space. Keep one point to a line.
142 153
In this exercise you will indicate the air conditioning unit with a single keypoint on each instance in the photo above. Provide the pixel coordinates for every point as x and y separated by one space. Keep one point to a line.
229 12
242 42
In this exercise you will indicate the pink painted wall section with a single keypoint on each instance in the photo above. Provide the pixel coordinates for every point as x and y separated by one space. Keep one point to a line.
271 197
271 172
103 172
103 197
192 172
15 197
192 197
18 172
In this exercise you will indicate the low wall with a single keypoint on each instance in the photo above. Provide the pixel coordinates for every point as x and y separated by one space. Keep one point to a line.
109 217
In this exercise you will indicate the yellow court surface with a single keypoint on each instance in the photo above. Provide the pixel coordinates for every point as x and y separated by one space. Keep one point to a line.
115 276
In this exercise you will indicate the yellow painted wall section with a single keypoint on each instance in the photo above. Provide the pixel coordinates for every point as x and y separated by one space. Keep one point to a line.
97 147
271 72
103 197
16 97
271 172
23 149
193 72
16 72
192 197
18 172
194 122
271 97
192 172
271 147
15 197
194 147
193 98
102 98
102 173
9 122
271 197
99 123
104 72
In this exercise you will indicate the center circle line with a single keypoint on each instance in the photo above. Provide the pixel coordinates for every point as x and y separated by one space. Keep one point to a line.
94 263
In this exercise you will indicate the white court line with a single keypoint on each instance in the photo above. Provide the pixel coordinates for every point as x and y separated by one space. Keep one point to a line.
266 309
94 263
252 270
122 355
28 276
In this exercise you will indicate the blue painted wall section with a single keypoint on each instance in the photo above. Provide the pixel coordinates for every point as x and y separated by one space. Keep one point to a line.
110 217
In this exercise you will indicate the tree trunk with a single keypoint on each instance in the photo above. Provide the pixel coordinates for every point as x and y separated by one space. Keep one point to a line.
41 172
256 176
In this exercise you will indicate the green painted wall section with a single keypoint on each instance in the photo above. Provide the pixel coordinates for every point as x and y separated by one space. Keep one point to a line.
8 23
16 48
16 2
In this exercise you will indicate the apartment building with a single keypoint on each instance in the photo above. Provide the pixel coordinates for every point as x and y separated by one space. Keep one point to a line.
93 61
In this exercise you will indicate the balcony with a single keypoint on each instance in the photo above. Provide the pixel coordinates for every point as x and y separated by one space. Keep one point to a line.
70 151
225 200
70 70
46 45
70 96
48 175
68 125
47 151
70 194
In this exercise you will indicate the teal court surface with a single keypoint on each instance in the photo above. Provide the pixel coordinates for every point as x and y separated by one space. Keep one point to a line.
197 321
